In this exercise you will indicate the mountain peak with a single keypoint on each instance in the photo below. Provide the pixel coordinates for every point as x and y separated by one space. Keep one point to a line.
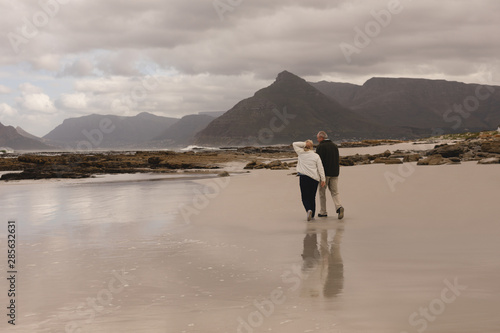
286 81
145 114
303 110
287 76
26 134
9 137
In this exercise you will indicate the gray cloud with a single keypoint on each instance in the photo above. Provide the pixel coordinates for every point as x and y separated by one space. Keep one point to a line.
259 36
205 63
79 68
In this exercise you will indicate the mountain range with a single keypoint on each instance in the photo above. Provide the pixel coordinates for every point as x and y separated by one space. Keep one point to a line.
426 104
290 109
183 132
10 137
109 131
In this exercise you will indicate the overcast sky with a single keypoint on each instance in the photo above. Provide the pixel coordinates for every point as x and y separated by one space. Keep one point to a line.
69 58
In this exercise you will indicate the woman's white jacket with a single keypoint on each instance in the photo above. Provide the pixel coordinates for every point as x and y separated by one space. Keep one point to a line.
309 162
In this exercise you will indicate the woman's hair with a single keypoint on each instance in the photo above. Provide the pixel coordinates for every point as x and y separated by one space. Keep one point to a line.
309 145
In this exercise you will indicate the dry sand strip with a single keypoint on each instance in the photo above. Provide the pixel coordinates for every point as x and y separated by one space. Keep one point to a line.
401 247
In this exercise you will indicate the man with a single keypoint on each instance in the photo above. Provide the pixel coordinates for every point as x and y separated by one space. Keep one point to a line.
329 154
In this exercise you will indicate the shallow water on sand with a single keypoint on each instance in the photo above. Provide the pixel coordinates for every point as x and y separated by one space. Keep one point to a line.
81 240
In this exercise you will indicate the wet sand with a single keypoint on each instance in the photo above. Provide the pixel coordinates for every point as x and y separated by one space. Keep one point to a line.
236 255
393 254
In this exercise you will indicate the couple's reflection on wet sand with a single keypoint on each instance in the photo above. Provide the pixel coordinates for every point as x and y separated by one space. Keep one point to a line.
322 267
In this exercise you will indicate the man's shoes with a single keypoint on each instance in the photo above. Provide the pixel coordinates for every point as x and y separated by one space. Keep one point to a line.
340 211
322 215
309 215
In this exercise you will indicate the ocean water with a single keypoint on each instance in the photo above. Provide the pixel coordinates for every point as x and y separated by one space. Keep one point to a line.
41 206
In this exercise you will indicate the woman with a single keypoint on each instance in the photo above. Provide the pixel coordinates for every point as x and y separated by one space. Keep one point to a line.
310 171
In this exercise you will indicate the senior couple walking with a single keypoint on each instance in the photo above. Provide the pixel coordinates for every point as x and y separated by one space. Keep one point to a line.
320 168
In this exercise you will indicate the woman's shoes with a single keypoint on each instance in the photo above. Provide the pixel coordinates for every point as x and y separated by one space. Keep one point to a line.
309 215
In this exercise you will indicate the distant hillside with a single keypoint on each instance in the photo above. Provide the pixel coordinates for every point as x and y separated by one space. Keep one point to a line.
183 131
27 135
10 137
117 131
420 103
214 114
262 119
341 92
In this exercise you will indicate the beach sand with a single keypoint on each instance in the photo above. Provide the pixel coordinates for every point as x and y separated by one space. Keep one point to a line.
418 253
393 254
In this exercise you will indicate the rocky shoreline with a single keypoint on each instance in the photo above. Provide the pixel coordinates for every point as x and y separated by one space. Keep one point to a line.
84 165
483 148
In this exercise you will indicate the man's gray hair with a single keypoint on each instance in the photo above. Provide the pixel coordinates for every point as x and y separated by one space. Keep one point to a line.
322 134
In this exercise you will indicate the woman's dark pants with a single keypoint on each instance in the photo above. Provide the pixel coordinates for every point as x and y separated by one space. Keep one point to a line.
308 188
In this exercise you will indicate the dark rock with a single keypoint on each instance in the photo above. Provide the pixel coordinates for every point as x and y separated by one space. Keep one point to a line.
446 150
491 147
491 160
385 154
387 160
277 165
470 156
169 165
251 165
224 174
274 164
346 162
265 150
37 173
31 159
393 161
154 160
411 158
434 160
482 155
359 158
